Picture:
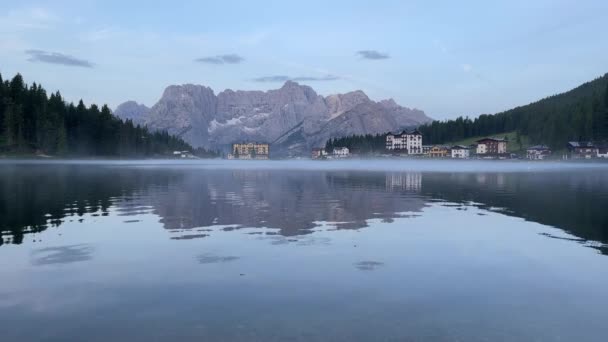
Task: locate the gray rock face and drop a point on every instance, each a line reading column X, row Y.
column 364, row 118
column 184, row 111
column 405, row 117
column 293, row 118
column 133, row 111
column 340, row 103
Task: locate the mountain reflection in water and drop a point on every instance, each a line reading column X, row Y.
column 293, row 201
column 303, row 251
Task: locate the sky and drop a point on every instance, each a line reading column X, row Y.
column 448, row 58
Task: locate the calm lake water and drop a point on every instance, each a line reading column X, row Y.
column 303, row 251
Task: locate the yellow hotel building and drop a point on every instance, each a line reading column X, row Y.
column 250, row 151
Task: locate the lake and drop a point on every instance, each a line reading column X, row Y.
column 303, row 251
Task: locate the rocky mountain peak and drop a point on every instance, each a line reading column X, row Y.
column 294, row 90
column 340, row 103
column 389, row 103
column 290, row 84
column 133, row 111
column 187, row 89
column 293, row 115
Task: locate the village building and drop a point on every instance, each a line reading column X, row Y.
column 582, row 149
column 439, row 151
column 405, row 142
column 250, row 150
column 538, row 152
column 426, row 149
column 602, row 151
column 341, row 152
column 318, row 153
column 491, row 146
column 460, row 152
column 183, row 154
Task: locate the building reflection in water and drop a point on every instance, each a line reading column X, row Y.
column 292, row 202
column 407, row 181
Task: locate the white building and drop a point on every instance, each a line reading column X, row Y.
column 182, row 154
column 582, row 149
column 460, row 152
column 405, row 142
column 538, row 152
column 341, row 152
column 318, row 153
column 491, row 146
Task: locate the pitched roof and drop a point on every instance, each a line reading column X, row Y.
column 581, row 144
column 493, row 139
column 538, row 147
column 459, row 147
column 404, row 132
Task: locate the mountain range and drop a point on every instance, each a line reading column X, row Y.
column 293, row 118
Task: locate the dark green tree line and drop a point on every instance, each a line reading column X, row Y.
column 579, row 114
column 362, row 144
column 31, row 121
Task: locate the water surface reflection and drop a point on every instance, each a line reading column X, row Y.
column 294, row 201
column 140, row 252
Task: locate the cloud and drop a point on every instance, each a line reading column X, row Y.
column 322, row 78
column 254, row 38
column 56, row 58
column 439, row 44
column 283, row 78
column 99, row 35
column 34, row 18
column 466, row 67
column 470, row 70
column 276, row 78
column 221, row 59
column 372, row 54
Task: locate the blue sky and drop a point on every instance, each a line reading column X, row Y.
column 447, row 58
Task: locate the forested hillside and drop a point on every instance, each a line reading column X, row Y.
column 360, row 144
column 32, row 122
column 579, row 114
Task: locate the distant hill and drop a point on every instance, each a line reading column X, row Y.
column 579, row 114
column 293, row 118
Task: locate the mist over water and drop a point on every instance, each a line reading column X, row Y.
column 303, row 250
column 421, row 165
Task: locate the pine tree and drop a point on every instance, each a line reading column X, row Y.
column 3, row 100
column 605, row 118
column 9, row 127
column 30, row 121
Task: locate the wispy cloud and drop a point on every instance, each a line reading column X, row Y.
column 221, row 59
column 98, row 35
column 441, row 46
column 283, row 78
column 372, row 54
column 471, row 70
column 33, row 18
column 56, row 58
column 309, row 78
column 254, row 38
